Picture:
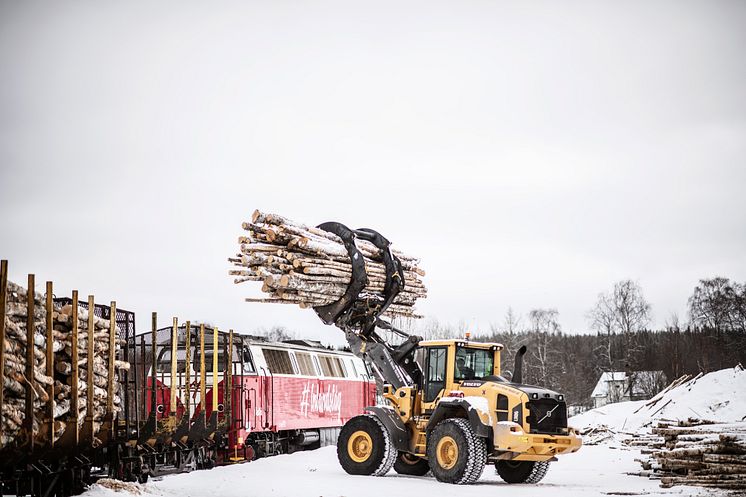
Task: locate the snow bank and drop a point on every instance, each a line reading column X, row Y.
column 717, row 396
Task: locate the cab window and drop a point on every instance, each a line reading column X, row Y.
column 436, row 372
column 473, row 364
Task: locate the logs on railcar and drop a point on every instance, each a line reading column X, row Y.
column 310, row 267
column 52, row 410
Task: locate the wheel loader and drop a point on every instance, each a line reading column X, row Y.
column 447, row 408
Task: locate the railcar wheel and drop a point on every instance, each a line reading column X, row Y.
column 407, row 464
column 522, row 471
column 455, row 453
column 364, row 447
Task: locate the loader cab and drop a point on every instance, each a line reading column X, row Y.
column 448, row 364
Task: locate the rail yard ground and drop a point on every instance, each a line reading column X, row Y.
column 594, row 470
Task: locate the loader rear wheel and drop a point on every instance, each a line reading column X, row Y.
column 364, row 447
column 522, row 471
column 407, row 464
column 455, row 453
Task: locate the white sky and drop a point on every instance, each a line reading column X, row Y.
column 532, row 153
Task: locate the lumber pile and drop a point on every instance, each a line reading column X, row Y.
column 696, row 452
column 52, row 385
column 309, row 267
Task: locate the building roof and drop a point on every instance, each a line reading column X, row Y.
column 602, row 387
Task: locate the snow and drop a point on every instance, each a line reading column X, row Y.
column 597, row 470
column 479, row 403
column 718, row 396
column 593, row 471
column 602, row 387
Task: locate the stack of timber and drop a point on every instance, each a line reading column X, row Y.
column 307, row 266
column 44, row 379
column 696, row 452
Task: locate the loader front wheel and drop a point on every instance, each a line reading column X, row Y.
column 522, row 471
column 407, row 464
column 364, row 447
column 455, row 453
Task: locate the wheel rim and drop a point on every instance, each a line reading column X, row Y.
column 447, row 452
column 409, row 459
column 360, row 446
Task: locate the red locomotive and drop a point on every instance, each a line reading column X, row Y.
column 283, row 396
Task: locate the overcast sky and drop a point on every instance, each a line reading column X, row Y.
column 531, row 153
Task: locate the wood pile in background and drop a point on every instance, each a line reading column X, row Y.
column 695, row 452
column 307, row 266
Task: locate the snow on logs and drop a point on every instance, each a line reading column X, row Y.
column 45, row 377
column 307, row 266
column 696, row 452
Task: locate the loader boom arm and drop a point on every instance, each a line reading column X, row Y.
column 357, row 312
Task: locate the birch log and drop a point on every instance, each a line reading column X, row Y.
column 304, row 265
column 15, row 382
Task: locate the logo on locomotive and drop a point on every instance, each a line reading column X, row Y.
column 314, row 401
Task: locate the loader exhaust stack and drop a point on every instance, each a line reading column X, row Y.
column 518, row 365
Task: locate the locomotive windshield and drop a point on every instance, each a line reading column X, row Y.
column 473, row 364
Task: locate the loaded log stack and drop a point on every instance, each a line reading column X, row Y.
column 45, row 376
column 310, row 267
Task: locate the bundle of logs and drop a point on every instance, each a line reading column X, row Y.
column 51, row 406
column 695, row 452
column 307, row 266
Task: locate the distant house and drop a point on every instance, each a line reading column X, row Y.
column 618, row 386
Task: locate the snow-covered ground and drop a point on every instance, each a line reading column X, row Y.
column 717, row 396
column 593, row 471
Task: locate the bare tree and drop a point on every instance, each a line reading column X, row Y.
column 512, row 321
column 544, row 325
column 276, row 333
column 719, row 304
column 624, row 311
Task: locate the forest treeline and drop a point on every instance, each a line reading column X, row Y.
column 713, row 338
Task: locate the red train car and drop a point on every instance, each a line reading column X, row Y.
column 282, row 396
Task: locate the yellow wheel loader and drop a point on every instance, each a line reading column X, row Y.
column 448, row 410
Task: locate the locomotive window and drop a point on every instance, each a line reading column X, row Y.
column 318, row 367
column 341, row 367
column 305, row 364
column 208, row 361
column 294, row 363
column 278, row 361
column 164, row 361
column 326, row 365
column 353, row 368
column 248, row 361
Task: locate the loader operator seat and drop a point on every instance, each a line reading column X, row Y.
column 464, row 371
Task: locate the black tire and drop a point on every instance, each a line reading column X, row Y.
column 364, row 447
column 455, row 453
column 522, row 471
column 407, row 464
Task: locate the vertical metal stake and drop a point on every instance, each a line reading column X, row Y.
column 50, row 359
column 30, row 328
column 3, row 303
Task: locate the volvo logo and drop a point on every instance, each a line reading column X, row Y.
column 548, row 414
